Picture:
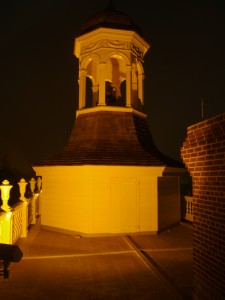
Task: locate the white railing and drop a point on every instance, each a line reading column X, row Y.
column 187, row 210
column 33, row 209
column 16, row 219
column 16, row 224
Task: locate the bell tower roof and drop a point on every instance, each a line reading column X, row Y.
column 110, row 18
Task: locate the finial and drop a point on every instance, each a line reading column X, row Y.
column 110, row 5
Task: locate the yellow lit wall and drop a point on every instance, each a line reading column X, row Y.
column 97, row 200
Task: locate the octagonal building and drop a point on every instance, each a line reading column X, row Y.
column 110, row 178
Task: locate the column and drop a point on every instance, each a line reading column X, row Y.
column 95, row 93
column 128, row 86
column 101, row 68
column 82, row 88
column 141, row 78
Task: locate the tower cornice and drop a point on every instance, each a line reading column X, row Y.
column 102, row 37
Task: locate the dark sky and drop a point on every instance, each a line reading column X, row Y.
column 39, row 90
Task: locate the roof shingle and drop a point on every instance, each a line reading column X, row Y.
column 110, row 138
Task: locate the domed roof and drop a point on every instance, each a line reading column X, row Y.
column 110, row 18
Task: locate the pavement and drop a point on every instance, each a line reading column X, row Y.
column 64, row 266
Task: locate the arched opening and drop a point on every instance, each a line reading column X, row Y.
column 122, row 100
column 111, row 96
column 89, row 93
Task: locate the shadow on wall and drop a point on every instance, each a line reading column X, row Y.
column 186, row 184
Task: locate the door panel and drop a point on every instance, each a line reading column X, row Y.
column 124, row 205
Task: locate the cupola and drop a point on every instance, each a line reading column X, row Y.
column 111, row 50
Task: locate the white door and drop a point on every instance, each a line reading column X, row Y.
column 124, row 205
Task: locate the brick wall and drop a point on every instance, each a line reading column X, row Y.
column 203, row 153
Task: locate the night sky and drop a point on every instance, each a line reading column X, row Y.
column 39, row 90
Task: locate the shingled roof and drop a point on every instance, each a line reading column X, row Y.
column 110, row 18
column 110, row 138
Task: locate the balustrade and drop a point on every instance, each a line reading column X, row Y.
column 188, row 211
column 16, row 219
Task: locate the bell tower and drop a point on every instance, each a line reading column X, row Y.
column 110, row 177
column 110, row 50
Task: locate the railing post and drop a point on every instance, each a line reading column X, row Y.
column 32, row 185
column 34, row 208
column 24, row 219
column 33, row 201
column 5, row 193
column 38, row 201
column 22, row 186
column 188, row 208
column 39, row 181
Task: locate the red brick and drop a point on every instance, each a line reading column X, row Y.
column 207, row 139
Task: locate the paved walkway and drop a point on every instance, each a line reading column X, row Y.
column 60, row 266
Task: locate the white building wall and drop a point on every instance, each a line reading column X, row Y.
column 65, row 201
column 99, row 205
column 148, row 204
column 104, row 199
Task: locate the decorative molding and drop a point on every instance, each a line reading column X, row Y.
column 137, row 51
column 105, row 43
